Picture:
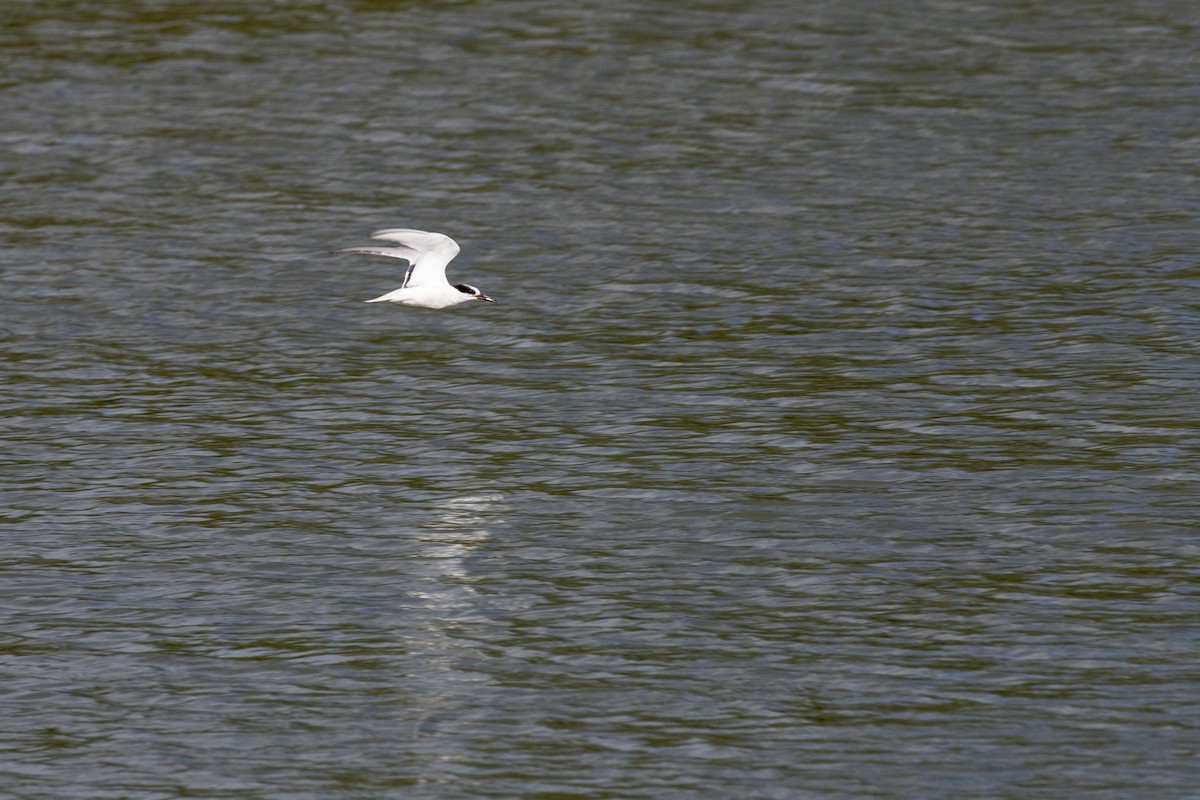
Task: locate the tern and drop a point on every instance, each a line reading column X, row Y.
column 425, row 284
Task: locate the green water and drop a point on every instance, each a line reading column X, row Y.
column 834, row 434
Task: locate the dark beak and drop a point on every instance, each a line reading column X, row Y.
column 484, row 297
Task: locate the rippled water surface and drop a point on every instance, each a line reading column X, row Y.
column 834, row 434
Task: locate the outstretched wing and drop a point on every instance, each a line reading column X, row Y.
column 427, row 253
column 434, row 251
column 407, row 253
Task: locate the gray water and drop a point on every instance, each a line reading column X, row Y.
column 835, row 433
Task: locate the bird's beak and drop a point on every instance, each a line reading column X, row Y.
column 484, row 297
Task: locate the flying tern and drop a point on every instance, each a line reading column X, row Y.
column 425, row 284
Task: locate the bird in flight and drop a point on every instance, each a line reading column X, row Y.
column 425, row 284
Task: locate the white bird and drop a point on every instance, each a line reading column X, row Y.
column 425, row 284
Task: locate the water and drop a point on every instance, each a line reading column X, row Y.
column 834, row 434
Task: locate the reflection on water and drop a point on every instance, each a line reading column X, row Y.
column 468, row 514
column 833, row 434
column 457, row 528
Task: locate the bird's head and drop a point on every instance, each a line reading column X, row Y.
column 466, row 288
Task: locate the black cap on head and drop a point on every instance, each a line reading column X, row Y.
column 467, row 288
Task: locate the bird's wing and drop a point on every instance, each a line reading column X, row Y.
column 407, row 253
column 431, row 253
